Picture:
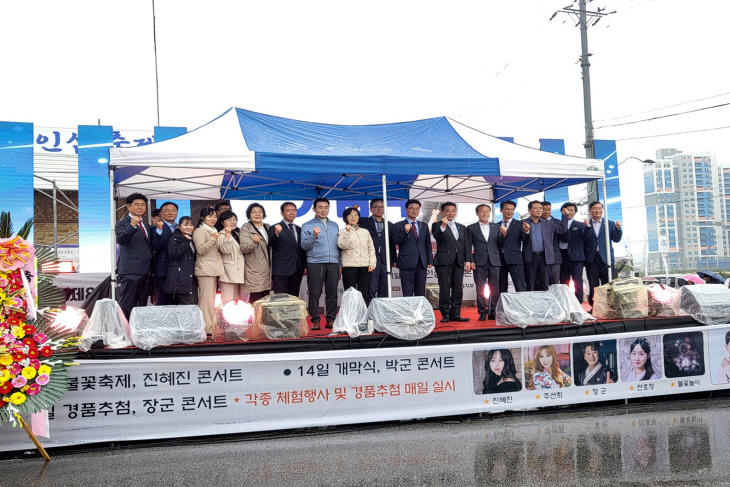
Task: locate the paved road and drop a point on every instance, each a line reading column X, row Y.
column 678, row 444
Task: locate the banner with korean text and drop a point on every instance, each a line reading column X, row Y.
column 141, row 399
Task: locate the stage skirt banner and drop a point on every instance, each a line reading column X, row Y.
column 142, row 399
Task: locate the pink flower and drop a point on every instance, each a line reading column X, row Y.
column 40, row 338
column 35, row 363
column 33, row 389
column 42, row 379
column 15, row 368
column 19, row 381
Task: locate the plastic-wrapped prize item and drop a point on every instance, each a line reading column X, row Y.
column 353, row 315
column 620, row 299
column 279, row 316
column 709, row 304
column 432, row 294
column 234, row 320
column 532, row 308
column 408, row 318
column 664, row 300
column 158, row 326
column 108, row 325
column 574, row 312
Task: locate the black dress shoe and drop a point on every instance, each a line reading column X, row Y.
column 482, row 316
column 445, row 319
column 460, row 319
column 491, row 317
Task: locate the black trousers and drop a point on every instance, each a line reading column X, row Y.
column 318, row 275
column 572, row 270
column 451, row 289
column 288, row 284
column 132, row 292
column 517, row 271
column 253, row 297
column 554, row 274
column 537, row 273
column 378, row 283
column 357, row 277
column 163, row 298
column 597, row 273
column 413, row 281
column 487, row 275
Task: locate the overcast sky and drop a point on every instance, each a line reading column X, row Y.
column 501, row 67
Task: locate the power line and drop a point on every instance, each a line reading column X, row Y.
column 675, row 133
column 663, row 108
column 664, row 116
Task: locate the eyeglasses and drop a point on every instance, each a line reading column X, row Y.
column 138, row 205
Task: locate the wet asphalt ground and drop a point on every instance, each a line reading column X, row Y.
column 683, row 443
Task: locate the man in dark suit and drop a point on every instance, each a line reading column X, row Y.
column 596, row 251
column 135, row 254
column 289, row 260
column 538, row 252
column 572, row 248
column 514, row 235
column 375, row 224
column 162, row 232
column 452, row 260
column 415, row 253
column 486, row 241
column 547, row 214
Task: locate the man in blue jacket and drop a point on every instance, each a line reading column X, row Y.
column 160, row 236
column 319, row 240
column 415, row 254
column 572, row 248
column 596, row 252
column 538, row 252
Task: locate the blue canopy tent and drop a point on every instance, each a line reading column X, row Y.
column 248, row 155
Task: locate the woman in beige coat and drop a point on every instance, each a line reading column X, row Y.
column 358, row 253
column 233, row 260
column 208, row 265
column 255, row 245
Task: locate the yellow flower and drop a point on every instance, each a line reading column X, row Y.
column 44, row 369
column 24, row 388
column 18, row 332
column 28, row 372
column 6, row 359
column 4, row 375
column 17, row 398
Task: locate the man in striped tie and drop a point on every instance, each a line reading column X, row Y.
column 135, row 254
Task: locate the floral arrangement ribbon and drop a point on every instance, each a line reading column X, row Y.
column 15, row 253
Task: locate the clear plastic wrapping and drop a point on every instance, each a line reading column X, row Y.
column 158, row 326
column 432, row 294
column 408, row 318
column 107, row 324
column 574, row 312
column 279, row 316
column 532, row 308
column 664, row 300
column 709, row 304
column 353, row 315
column 620, row 299
column 234, row 320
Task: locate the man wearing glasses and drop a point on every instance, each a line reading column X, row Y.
column 375, row 224
column 135, row 254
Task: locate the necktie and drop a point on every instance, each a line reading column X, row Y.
column 291, row 229
column 143, row 229
column 452, row 225
column 415, row 229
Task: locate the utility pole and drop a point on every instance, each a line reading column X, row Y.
column 586, row 19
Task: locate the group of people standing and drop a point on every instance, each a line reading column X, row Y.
column 191, row 261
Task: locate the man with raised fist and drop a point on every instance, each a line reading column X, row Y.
column 135, row 254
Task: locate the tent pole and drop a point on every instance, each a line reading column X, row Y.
column 387, row 238
column 113, row 240
column 608, row 236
